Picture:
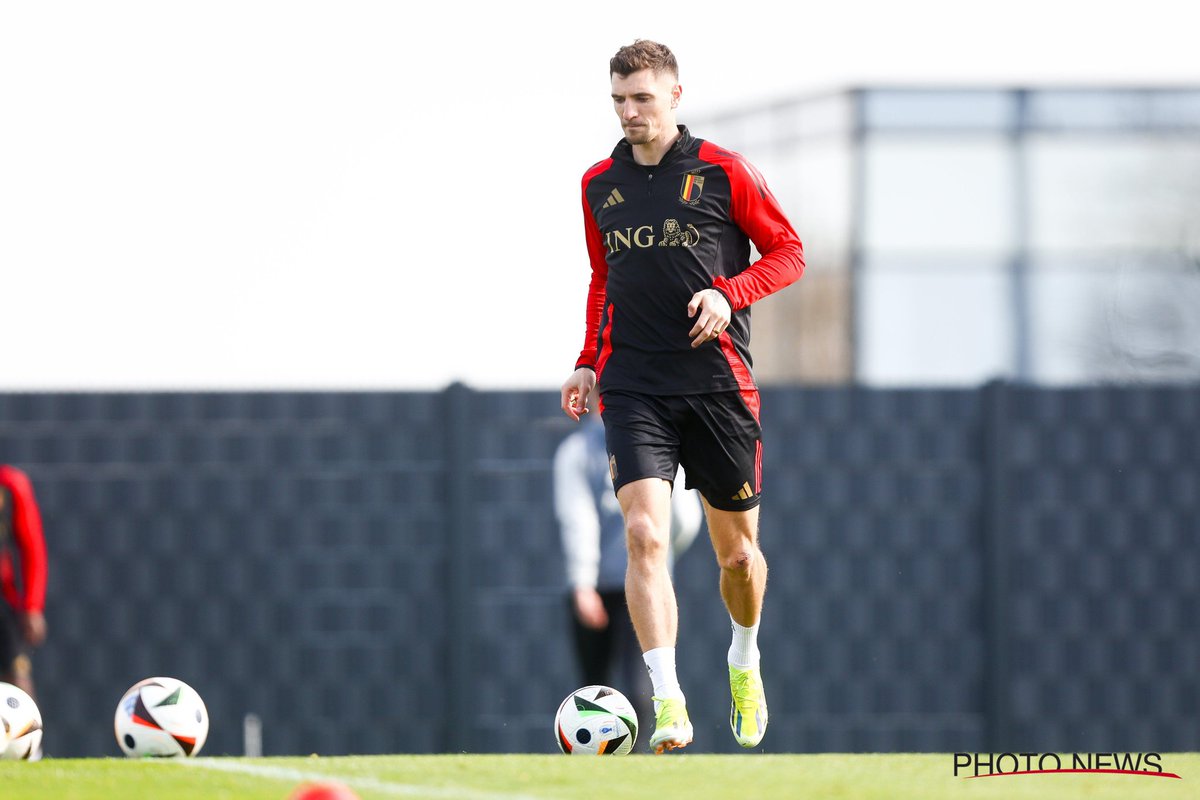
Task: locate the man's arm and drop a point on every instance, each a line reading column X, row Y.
column 756, row 211
column 579, row 385
column 597, row 293
column 597, row 286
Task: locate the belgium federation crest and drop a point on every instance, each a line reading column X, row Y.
column 690, row 189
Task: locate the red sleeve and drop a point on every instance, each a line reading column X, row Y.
column 27, row 531
column 596, row 289
column 756, row 211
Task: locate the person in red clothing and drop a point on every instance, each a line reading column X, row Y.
column 669, row 220
column 22, row 621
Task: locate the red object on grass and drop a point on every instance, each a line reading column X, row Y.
column 323, row 791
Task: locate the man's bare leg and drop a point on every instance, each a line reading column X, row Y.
column 743, row 585
column 743, row 568
column 650, row 595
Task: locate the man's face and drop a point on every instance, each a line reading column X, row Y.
column 645, row 102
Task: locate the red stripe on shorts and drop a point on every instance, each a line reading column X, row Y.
column 758, row 467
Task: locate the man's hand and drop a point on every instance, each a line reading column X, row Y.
column 714, row 316
column 33, row 627
column 589, row 608
column 575, row 392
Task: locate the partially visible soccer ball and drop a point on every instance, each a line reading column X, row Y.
column 21, row 722
column 161, row 717
column 595, row 721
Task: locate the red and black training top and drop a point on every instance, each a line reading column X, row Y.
column 657, row 235
column 19, row 516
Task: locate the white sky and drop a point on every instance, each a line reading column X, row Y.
column 281, row 194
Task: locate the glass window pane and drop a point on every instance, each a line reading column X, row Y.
column 1112, row 192
column 947, row 322
column 939, row 193
column 1120, row 318
column 939, row 110
column 1114, row 110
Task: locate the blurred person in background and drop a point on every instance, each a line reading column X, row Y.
column 669, row 220
column 593, row 540
column 22, row 621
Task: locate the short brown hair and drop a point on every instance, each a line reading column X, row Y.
column 643, row 54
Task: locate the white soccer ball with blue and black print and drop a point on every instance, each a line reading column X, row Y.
column 161, row 718
column 20, row 725
column 596, row 721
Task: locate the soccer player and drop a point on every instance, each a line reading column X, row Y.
column 669, row 219
column 22, row 623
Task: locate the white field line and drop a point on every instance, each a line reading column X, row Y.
column 353, row 781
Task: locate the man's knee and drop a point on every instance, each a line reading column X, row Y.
column 647, row 541
column 740, row 562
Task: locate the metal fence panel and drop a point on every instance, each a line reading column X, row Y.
column 1003, row 568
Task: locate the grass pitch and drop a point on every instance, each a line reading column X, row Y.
column 530, row 777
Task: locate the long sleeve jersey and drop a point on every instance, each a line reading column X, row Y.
column 658, row 234
column 20, row 520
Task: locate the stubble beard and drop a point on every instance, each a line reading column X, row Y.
column 638, row 135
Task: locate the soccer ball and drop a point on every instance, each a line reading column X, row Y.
column 595, row 721
column 161, row 717
column 21, row 722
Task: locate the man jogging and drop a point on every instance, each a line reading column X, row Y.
column 669, row 221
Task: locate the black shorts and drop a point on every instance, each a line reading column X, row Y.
column 716, row 437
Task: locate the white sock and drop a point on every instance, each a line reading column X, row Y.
column 660, row 662
column 743, row 653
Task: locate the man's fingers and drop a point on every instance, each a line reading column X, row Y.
column 710, row 324
column 569, row 399
column 707, row 322
column 707, row 332
column 573, row 404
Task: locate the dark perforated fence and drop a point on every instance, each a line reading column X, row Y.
column 1008, row 568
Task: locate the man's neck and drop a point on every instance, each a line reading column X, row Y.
column 649, row 154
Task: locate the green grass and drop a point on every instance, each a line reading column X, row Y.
column 513, row 777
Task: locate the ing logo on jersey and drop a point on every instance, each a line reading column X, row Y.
column 675, row 236
column 643, row 236
column 689, row 191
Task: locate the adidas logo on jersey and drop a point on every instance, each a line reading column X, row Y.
column 614, row 197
